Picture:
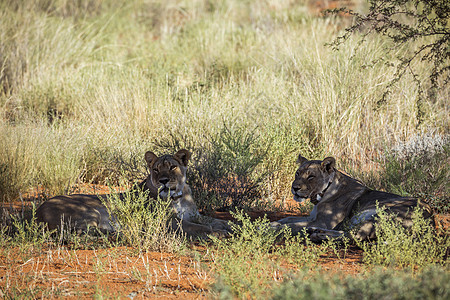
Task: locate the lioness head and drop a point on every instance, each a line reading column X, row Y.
column 168, row 172
column 312, row 178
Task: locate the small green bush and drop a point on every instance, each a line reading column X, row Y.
column 243, row 262
column 399, row 247
column 300, row 251
column 228, row 171
column 247, row 262
column 144, row 223
column 431, row 283
column 26, row 233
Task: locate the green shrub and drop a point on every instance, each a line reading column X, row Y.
column 431, row 283
column 247, row 262
column 227, row 175
column 397, row 246
column 243, row 262
column 300, row 251
column 144, row 223
column 27, row 233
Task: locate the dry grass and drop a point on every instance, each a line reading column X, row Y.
column 118, row 272
column 101, row 89
column 87, row 87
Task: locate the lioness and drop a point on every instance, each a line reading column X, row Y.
column 167, row 174
column 338, row 197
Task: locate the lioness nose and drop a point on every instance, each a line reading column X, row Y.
column 164, row 180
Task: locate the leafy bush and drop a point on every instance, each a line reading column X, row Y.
column 26, row 233
column 431, row 283
column 144, row 223
column 399, row 247
column 247, row 262
column 243, row 262
column 300, row 251
column 226, row 175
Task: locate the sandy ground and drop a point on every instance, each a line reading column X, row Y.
column 122, row 272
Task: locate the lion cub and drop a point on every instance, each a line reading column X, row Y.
column 167, row 179
column 338, row 197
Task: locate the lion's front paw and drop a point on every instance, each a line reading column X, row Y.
column 220, row 234
column 320, row 234
column 220, row 225
column 225, row 226
column 275, row 225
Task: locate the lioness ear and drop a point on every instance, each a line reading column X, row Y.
column 301, row 159
column 183, row 156
column 150, row 158
column 328, row 164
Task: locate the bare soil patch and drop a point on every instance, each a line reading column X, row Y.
column 109, row 273
column 121, row 272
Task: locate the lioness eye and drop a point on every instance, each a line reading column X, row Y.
column 155, row 170
column 173, row 167
column 310, row 177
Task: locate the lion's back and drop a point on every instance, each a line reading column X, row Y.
column 72, row 209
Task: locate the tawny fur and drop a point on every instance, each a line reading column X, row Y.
column 167, row 175
column 338, row 198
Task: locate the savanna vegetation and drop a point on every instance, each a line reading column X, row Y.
column 88, row 86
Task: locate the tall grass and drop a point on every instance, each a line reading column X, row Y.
column 102, row 82
column 34, row 155
column 417, row 167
